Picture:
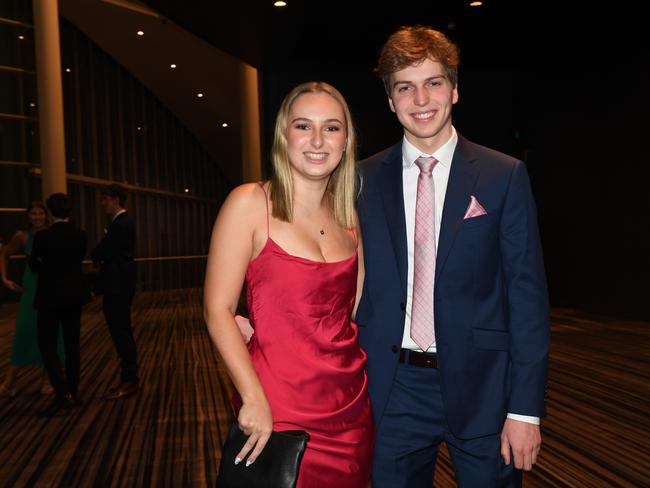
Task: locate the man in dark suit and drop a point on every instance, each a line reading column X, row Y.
column 114, row 255
column 56, row 256
column 455, row 320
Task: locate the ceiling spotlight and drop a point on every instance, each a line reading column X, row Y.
column 139, row 128
column 280, row 3
column 21, row 37
column 225, row 124
column 141, row 33
column 475, row 4
column 172, row 66
column 200, row 95
column 186, row 190
column 68, row 70
column 32, row 104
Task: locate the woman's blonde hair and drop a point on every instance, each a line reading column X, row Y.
column 342, row 181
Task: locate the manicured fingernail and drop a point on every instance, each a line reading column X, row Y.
column 237, row 460
column 249, row 462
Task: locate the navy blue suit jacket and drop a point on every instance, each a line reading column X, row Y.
column 115, row 256
column 490, row 298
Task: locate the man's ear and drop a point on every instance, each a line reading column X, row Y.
column 390, row 104
column 454, row 95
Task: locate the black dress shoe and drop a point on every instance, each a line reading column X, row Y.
column 60, row 406
column 125, row 390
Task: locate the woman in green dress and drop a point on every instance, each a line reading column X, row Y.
column 25, row 350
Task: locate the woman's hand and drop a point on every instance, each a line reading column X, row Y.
column 256, row 421
column 12, row 285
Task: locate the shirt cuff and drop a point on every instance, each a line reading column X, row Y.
column 524, row 418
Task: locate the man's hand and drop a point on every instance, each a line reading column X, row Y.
column 525, row 441
column 245, row 328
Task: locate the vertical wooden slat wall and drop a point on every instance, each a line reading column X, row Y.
column 116, row 130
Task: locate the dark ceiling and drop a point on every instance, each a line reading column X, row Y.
column 346, row 35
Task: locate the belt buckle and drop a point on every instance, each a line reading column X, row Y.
column 424, row 359
column 419, row 359
column 429, row 361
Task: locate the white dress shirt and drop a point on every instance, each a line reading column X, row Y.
column 410, row 174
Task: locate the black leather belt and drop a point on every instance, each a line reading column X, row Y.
column 415, row 358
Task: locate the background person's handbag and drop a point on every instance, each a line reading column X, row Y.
column 276, row 467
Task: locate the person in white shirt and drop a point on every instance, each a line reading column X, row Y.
column 454, row 312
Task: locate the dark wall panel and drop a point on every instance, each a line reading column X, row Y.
column 116, row 131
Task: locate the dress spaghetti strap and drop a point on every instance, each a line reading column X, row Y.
column 266, row 202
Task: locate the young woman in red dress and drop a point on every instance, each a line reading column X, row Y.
column 293, row 241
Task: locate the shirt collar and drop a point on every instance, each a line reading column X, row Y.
column 444, row 154
column 119, row 212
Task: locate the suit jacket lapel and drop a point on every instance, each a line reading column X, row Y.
column 393, row 198
column 462, row 178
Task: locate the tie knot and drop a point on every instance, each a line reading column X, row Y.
column 426, row 164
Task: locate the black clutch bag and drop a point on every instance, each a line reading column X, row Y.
column 276, row 467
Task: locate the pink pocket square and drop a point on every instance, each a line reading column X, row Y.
column 474, row 209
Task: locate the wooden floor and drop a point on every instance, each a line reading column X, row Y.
column 596, row 433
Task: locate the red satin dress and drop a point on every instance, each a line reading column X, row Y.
column 307, row 356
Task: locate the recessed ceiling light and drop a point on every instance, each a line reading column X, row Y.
column 475, row 4
column 32, row 104
column 68, row 70
column 200, row 95
column 139, row 128
column 186, row 190
column 280, row 3
column 21, row 37
column 225, row 124
column 141, row 33
column 172, row 66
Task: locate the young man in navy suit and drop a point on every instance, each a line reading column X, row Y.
column 455, row 320
column 115, row 257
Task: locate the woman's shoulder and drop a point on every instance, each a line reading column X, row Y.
column 21, row 237
column 17, row 241
column 248, row 194
column 246, row 199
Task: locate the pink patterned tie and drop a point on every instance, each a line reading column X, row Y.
column 424, row 266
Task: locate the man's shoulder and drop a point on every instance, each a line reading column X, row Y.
column 63, row 230
column 123, row 221
column 124, row 217
column 485, row 155
column 49, row 232
column 42, row 235
column 382, row 156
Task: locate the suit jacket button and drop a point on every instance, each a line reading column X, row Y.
column 402, row 306
column 395, row 349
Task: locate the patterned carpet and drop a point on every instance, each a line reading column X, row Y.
column 170, row 435
column 167, row 436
